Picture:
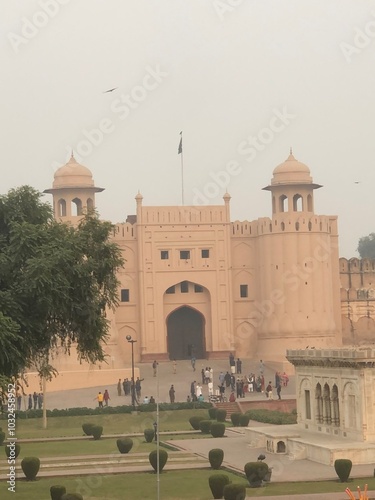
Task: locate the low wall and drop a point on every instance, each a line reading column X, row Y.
column 66, row 380
column 284, row 405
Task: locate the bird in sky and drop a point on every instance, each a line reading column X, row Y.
column 110, row 90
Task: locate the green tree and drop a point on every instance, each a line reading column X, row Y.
column 56, row 282
column 366, row 246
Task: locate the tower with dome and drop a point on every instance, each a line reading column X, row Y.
column 197, row 284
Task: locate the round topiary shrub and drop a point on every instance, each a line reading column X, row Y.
column 72, row 496
column 205, row 426
column 343, row 466
column 255, row 473
column 97, row 431
column 149, row 435
column 217, row 483
column 235, row 418
column 216, row 457
column 30, row 467
column 12, row 451
column 212, row 412
column 244, row 420
column 163, row 457
column 87, row 429
column 194, row 421
column 217, row 429
column 57, row 492
column 221, row 415
column 124, row 445
column 2, row 437
column 234, row 491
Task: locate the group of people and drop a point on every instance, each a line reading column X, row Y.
column 126, row 387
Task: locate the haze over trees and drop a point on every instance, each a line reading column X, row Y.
column 56, row 282
column 366, row 246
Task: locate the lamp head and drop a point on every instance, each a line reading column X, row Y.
column 128, row 337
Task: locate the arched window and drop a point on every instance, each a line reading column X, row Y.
column 319, row 404
column 297, row 226
column 327, row 415
column 297, row 203
column 282, row 226
column 283, row 203
column 61, row 208
column 335, row 406
column 310, row 226
column 76, row 206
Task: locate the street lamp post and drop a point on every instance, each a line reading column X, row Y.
column 131, row 341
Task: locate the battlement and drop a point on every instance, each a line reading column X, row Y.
column 184, row 215
column 124, row 231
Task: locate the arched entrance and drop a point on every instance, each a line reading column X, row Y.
column 185, row 334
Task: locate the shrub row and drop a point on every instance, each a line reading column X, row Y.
column 71, row 412
column 240, row 419
column 221, row 487
column 272, row 417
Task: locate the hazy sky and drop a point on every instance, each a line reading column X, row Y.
column 274, row 73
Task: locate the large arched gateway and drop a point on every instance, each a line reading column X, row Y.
column 185, row 333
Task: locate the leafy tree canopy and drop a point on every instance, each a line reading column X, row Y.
column 366, row 247
column 56, row 282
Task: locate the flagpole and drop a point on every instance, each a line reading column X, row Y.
column 180, row 152
column 182, row 178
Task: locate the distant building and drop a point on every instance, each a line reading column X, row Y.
column 197, row 284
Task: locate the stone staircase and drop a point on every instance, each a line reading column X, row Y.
column 230, row 407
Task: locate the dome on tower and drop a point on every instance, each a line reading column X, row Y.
column 73, row 174
column 291, row 171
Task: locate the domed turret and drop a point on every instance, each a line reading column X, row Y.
column 73, row 190
column 292, row 187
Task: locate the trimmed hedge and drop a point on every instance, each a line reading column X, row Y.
column 221, row 415
column 30, row 467
column 124, row 445
column 343, row 467
column 17, row 449
column 195, row 420
column 212, row 412
column 217, row 429
column 234, row 491
column 205, row 426
column 149, row 435
column 57, row 492
column 82, row 411
column 255, row 473
column 97, row 431
column 163, row 457
column 235, row 418
column 87, row 428
column 216, row 483
column 216, row 457
column 272, row 417
column 244, row 420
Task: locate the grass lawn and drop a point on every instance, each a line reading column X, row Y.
column 177, row 420
column 174, row 485
column 75, row 448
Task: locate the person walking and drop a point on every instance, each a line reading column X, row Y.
column 239, row 366
column 278, row 390
column 138, row 387
column 192, row 390
column 99, row 399
column 174, row 367
column 40, row 400
column 119, row 387
column 35, row 399
column 30, row 403
column 193, row 360
column 172, row 393
column 154, row 367
column 269, row 391
column 106, row 397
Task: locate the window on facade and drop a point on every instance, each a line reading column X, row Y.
column 184, row 287
column 164, row 254
column 184, row 254
column 170, row 290
column 205, row 254
column 308, row 405
column 243, row 291
column 198, row 289
column 125, row 295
